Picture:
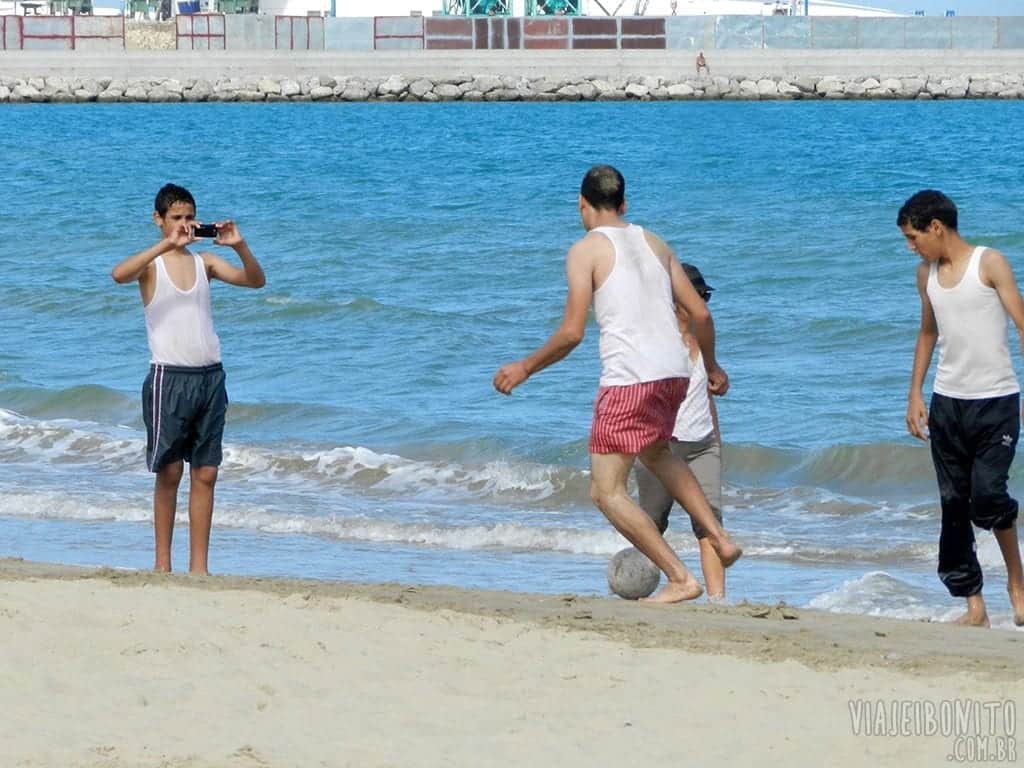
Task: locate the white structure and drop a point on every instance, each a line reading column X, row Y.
column 385, row 7
column 619, row 7
column 309, row 8
column 756, row 8
column 740, row 7
column 367, row 8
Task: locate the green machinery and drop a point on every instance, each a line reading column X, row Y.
column 477, row 7
column 553, row 7
column 504, row 7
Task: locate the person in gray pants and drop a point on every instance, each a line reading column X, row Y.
column 697, row 441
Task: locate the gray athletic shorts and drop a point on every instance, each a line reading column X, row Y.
column 184, row 409
column 705, row 460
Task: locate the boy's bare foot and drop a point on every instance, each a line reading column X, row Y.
column 676, row 592
column 1017, row 603
column 974, row 619
column 727, row 552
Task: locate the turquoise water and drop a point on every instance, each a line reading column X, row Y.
column 412, row 249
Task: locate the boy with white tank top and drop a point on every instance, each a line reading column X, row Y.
column 634, row 280
column 967, row 295
column 184, row 399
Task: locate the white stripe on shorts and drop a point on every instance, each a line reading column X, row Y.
column 158, row 382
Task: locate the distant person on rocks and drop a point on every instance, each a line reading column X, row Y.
column 184, row 399
column 634, row 281
column 968, row 292
column 702, row 64
column 696, row 439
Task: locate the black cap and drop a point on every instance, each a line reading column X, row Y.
column 697, row 279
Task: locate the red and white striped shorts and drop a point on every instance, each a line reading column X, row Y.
column 629, row 418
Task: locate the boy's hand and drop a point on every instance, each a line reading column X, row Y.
column 917, row 418
column 228, row 234
column 510, row 376
column 181, row 237
column 718, row 381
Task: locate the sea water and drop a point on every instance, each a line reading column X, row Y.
column 412, row 249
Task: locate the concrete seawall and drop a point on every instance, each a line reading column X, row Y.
column 35, row 76
column 756, row 64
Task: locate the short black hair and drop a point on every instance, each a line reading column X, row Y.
column 604, row 188
column 170, row 194
column 927, row 205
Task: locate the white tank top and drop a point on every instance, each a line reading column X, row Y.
column 640, row 339
column 179, row 324
column 974, row 354
column 693, row 420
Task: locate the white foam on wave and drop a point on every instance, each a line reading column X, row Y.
column 880, row 594
column 998, row 620
column 53, row 505
column 602, row 541
column 901, row 553
column 502, row 536
column 876, row 594
column 989, row 554
column 67, row 441
column 802, row 502
column 393, row 474
column 43, row 505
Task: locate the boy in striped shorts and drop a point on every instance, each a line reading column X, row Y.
column 184, row 399
column 634, row 281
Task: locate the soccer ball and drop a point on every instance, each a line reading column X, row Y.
column 631, row 575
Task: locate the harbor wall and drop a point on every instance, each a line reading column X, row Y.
column 218, row 83
column 243, row 32
column 249, row 57
column 674, row 33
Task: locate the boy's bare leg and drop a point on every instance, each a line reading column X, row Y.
column 1010, row 548
column 678, row 478
column 165, row 506
column 200, row 517
column 977, row 615
column 608, row 490
column 713, row 570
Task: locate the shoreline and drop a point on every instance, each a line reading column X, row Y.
column 117, row 669
column 743, row 630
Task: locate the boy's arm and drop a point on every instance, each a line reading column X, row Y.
column 997, row 270
column 134, row 267
column 579, row 270
column 701, row 322
column 927, row 335
column 714, row 419
column 249, row 275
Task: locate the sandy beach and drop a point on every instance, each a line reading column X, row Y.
column 116, row 669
